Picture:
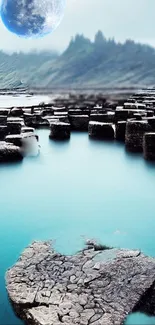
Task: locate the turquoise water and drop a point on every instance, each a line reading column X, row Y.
column 75, row 190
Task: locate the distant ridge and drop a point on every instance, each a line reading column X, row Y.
column 101, row 63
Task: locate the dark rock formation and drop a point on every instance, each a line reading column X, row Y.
column 120, row 130
column 3, row 119
column 14, row 127
column 4, row 111
column 16, row 139
column 16, row 111
column 26, row 129
column 79, row 122
column 134, row 134
column 9, row 152
column 59, row 130
column 101, row 130
column 121, row 114
column 3, row 132
column 95, row 286
column 149, row 146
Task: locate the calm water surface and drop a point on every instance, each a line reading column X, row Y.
column 75, row 190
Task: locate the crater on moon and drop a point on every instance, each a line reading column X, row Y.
column 32, row 18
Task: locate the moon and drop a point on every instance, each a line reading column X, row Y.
column 32, row 18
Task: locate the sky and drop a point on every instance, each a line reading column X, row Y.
column 121, row 19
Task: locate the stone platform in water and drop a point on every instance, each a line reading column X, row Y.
column 94, row 286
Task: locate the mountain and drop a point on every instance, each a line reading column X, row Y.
column 16, row 69
column 99, row 63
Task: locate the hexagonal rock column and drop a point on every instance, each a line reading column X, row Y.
column 149, row 146
column 134, row 134
column 59, row 130
column 101, row 130
column 94, row 286
column 9, row 152
column 79, row 122
column 120, row 130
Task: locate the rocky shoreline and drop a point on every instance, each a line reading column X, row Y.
column 95, row 286
column 130, row 120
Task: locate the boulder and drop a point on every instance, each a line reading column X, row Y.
column 95, row 286
column 9, row 152
column 79, row 122
column 16, row 111
column 101, row 130
column 120, row 130
column 134, row 134
column 59, row 130
column 149, row 146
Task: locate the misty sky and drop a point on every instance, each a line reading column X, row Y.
column 121, row 19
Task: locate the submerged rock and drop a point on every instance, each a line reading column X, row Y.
column 9, row 152
column 91, row 287
column 101, row 130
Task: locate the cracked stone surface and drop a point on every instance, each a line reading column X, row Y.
column 94, row 286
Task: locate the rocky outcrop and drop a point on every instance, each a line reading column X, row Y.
column 95, row 286
column 59, row 130
column 101, row 130
column 9, row 152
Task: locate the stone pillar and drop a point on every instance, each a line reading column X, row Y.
column 79, row 122
column 59, row 130
column 149, row 146
column 101, row 130
column 134, row 134
column 120, row 130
